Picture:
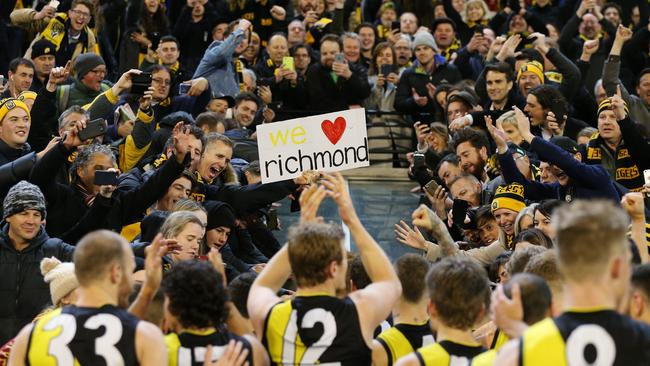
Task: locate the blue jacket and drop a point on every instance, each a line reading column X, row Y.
column 587, row 181
column 218, row 67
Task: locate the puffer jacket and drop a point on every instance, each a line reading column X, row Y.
column 23, row 291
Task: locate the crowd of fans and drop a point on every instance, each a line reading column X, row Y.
column 128, row 154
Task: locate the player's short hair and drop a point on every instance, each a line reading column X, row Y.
column 196, row 295
column 95, row 253
column 459, row 290
column 589, row 234
column 520, row 258
column 412, row 270
column 641, row 279
column 311, row 249
column 535, row 296
column 545, row 266
column 357, row 273
column 239, row 288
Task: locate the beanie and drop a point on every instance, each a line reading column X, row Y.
column 424, row 38
column 606, row 105
column 565, row 143
column 60, row 276
column 86, row 62
column 534, row 67
column 23, row 196
column 510, row 197
column 43, row 47
column 27, row 94
column 151, row 224
column 219, row 214
column 10, row 103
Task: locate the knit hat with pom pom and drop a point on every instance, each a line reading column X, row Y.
column 60, row 276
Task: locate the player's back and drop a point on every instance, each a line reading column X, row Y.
column 402, row 339
column 84, row 336
column 596, row 338
column 448, row 353
column 309, row 330
column 188, row 348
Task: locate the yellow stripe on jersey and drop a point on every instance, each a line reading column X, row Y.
column 280, row 349
column 433, row 355
column 173, row 345
column 485, row 358
column 38, row 351
column 543, row 345
column 398, row 345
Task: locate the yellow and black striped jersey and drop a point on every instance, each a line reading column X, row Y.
column 311, row 330
column 601, row 337
column 74, row 336
column 402, row 339
column 188, row 348
column 499, row 339
column 446, row 353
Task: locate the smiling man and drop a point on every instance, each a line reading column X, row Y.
column 15, row 122
column 90, row 71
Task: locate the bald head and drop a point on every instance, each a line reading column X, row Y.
column 96, row 253
column 278, row 48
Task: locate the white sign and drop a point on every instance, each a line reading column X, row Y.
column 327, row 142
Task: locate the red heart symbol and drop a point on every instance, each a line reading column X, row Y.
column 333, row 131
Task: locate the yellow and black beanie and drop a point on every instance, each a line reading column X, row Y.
column 533, row 67
column 510, row 197
column 606, row 105
column 10, row 103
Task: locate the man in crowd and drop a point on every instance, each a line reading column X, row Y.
column 21, row 74
column 89, row 70
column 43, row 57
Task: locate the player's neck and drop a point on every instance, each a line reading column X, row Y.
column 588, row 295
column 445, row 333
column 95, row 297
column 325, row 288
column 405, row 312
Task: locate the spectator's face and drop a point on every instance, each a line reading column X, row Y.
column 444, row 35
column 439, row 11
column 189, row 239
column 385, row 57
column 475, row 12
column 181, row 188
column 218, row 237
column 636, row 15
column 214, row 160
column 296, row 33
column 152, row 5
column 488, row 231
column 472, row 160
column 458, row 5
column 277, row 49
column 198, row 10
column 467, row 190
column 455, row 110
column 249, row 83
column 513, row 133
column 351, row 49
column 534, row 110
column 543, row 223
column 590, row 26
column 218, row 106
column 613, row 16
column 506, row 220
column 44, row 64
column 403, row 52
column 14, row 128
column 70, row 121
column 328, row 51
column 93, row 78
column 79, row 17
column 195, row 146
column 161, row 82
column 546, row 175
column 253, row 48
column 408, row 23
column 498, row 86
column 388, row 16
column 600, row 93
column 608, row 127
column 244, row 112
column 22, row 78
column 218, row 31
column 424, row 54
column 24, row 225
column 526, row 82
column 98, row 161
column 301, row 59
column 447, row 172
column 243, row 45
column 367, row 36
column 168, row 52
column 308, row 5
column 518, row 24
column 643, row 89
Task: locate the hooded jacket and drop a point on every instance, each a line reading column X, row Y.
column 24, row 292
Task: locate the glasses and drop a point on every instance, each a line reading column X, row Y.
column 81, row 14
column 162, row 81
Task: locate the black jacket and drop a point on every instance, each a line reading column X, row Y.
column 9, row 154
column 327, row 96
column 66, row 204
column 24, row 292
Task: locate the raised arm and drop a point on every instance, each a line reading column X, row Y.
column 375, row 301
column 612, row 67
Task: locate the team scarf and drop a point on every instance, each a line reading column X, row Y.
column 449, row 51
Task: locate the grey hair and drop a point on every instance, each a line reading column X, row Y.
column 71, row 110
column 526, row 211
column 350, row 35
column 251, row 74
column 599, row 83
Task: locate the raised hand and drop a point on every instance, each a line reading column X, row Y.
column 125, row 81
column 307, row 177
column 337, row 189
column 523, row 125
column 633, row 205
column 618, row 104
column 145, row 100
column 58, row 75
column 589, row 48
column 181, row 135
column 421, row 131
column 509, row 47
column 278, row 13
column 411, row 237
column 552, row 124
column 70, row 139
column 153, row 262
column 310, row 200
column 199, row 85
column 498, row 135
column 422, row 217
column 623, row 34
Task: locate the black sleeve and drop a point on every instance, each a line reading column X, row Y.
column 251, row 197
column 182, row 27
column 92, row 220
column 637, row 145
column 48, row 167
column 15, row 171
column 570, row 72
column 357, row 87
column 43, row 115
column 566, row 36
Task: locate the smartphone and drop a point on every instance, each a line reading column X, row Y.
column 395, row 25
column 140, row 83
column 54, row 4
column 646, row 177
column 106, row 178
column 339, row 58
column 287, row 63
column 155, row 40
column 559, row 111
column 431, row 187
column 479, row 28
column 386, row 69
column 272, row 222
column 459, row 211
column 418, row 160
column 94, row 128
column 183, row 88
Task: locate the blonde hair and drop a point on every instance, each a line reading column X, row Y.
column 481, row 3
column 509, row 118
